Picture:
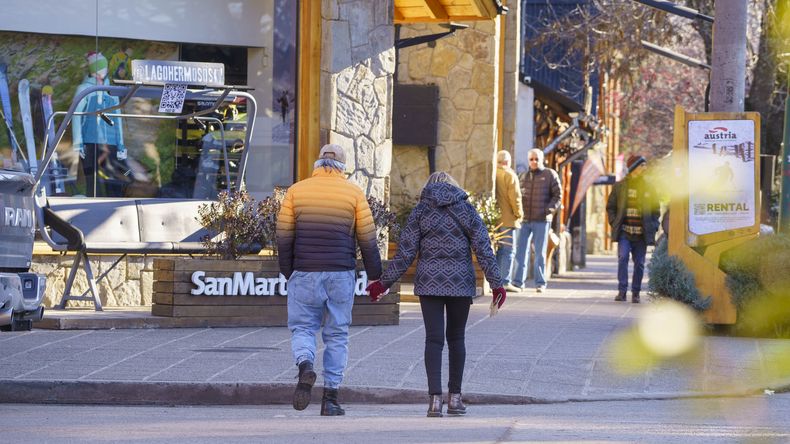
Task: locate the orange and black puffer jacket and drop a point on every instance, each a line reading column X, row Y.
column 320, row 221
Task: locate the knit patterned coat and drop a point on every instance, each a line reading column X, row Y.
column 444, row 266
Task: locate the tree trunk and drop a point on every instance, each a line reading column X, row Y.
column 763, row 96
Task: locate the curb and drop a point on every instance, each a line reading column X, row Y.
column 204, row 393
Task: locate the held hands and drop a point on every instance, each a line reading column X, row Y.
column 499, row 297
column 376, row 290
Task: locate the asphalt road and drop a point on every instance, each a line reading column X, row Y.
column 764, row 419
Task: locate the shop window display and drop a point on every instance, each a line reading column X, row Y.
column 148, row 157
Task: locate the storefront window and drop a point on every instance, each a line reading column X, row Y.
column 140, row 155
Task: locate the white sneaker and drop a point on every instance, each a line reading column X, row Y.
column 513, row 289
column 540, row 288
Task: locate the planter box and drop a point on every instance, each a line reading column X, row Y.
column 258, row 298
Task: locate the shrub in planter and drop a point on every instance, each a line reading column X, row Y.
column 758, row 276
column 670, row 278
column 386, row 222
column 489, row 211
column 233, row 223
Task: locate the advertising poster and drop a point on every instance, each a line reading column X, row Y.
column 721, row 169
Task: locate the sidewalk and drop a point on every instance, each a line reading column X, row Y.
column 549, row 347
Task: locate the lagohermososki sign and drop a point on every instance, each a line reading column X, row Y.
column 247, row 284
column 166, row 71
column 721, row 168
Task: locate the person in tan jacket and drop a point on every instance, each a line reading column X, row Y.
column 508, row 198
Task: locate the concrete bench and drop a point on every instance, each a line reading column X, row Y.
column 119, row 226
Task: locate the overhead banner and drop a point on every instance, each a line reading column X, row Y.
column 721, row 165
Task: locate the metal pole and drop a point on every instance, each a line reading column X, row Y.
column 728, row 67
column 784, row 207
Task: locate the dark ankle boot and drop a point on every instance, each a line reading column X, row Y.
column 329, row 405
column 620, row 297
column 305, row 385
column 435, row 406
column 455, row 406
column 635, row 297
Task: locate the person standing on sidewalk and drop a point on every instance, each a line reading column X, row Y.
column 632, row 210
column 508, row 198
column 442, row 228
column 320, row 219
column 542, row 197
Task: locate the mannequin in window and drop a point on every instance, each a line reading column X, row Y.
column 100, row 145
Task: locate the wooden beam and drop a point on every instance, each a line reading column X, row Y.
column 485, row 8
column 451, row 18
column 436, row 10
column 308, row 78
column 398, row 16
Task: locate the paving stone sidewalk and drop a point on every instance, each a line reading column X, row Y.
column 549, row 347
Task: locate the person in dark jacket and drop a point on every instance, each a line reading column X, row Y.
column 320, row 223
column 441, row 229
column 541, row 196
column 633, row 210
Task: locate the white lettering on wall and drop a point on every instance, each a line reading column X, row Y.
column 246, row 284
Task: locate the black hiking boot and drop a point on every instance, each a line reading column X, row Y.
column 620, row 297
column 455, row 405
column 635, row 297
column 329, row 405
column 304, row 386
column 435, row 406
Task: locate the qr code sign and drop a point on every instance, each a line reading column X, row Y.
column 699, row 209
column 172, row 98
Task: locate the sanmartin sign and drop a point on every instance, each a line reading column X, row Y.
column 248, row 284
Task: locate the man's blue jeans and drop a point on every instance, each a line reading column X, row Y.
column 540, row 232
column 506, row 251
column 637, row 251
column 310, row 296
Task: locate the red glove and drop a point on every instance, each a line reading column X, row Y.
column 499, row 295
column 375, row 289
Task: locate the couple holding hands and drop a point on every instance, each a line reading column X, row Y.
column 318, row 258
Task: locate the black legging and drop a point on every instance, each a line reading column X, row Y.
column 433, row 308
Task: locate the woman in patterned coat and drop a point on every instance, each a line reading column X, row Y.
column 441, row 229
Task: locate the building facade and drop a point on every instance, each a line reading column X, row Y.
column 319, row 70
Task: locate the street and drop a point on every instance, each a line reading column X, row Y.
column 763, row 419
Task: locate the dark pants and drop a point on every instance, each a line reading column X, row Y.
column 433, row 311
column 104, row 158
column 636, row 250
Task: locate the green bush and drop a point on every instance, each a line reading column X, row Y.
column 746, row 266
column 670, row 278
column 758, row 278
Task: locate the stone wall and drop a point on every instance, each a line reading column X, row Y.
column 130, row 283
column 464, row 66
column 357, row 67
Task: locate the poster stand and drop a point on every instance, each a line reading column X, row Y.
column 715, row 203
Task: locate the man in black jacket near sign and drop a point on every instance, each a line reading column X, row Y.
column 633, row 211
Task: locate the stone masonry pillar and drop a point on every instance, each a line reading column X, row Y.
column 357, row 67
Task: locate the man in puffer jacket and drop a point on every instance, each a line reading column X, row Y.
column 320, row 222
column 541, row 197
column 442, row 228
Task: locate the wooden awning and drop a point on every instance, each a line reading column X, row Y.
column 443, row 11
